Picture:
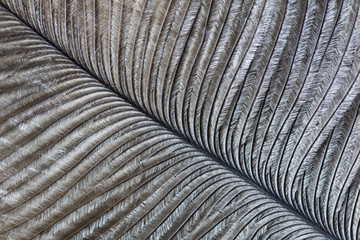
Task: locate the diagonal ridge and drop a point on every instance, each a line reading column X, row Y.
column 38, row 200
column 208, row 47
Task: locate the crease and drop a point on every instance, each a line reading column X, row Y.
column 257, row 186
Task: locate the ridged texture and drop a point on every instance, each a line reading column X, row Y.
column 270, row 88
column 78, row 161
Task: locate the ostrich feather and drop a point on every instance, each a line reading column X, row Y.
column 179, row 119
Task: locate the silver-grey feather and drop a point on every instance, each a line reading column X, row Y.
column 269, row 89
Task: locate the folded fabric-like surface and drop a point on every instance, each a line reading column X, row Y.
column 179, row 119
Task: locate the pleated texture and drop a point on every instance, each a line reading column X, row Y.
column 80, row 162
column 270, row 88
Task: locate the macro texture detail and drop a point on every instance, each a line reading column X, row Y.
column 181, row 119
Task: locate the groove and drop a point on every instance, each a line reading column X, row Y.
column 184, row 138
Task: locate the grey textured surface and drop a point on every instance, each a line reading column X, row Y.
column 179, row 119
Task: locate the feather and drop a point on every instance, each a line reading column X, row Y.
column 179, row 119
